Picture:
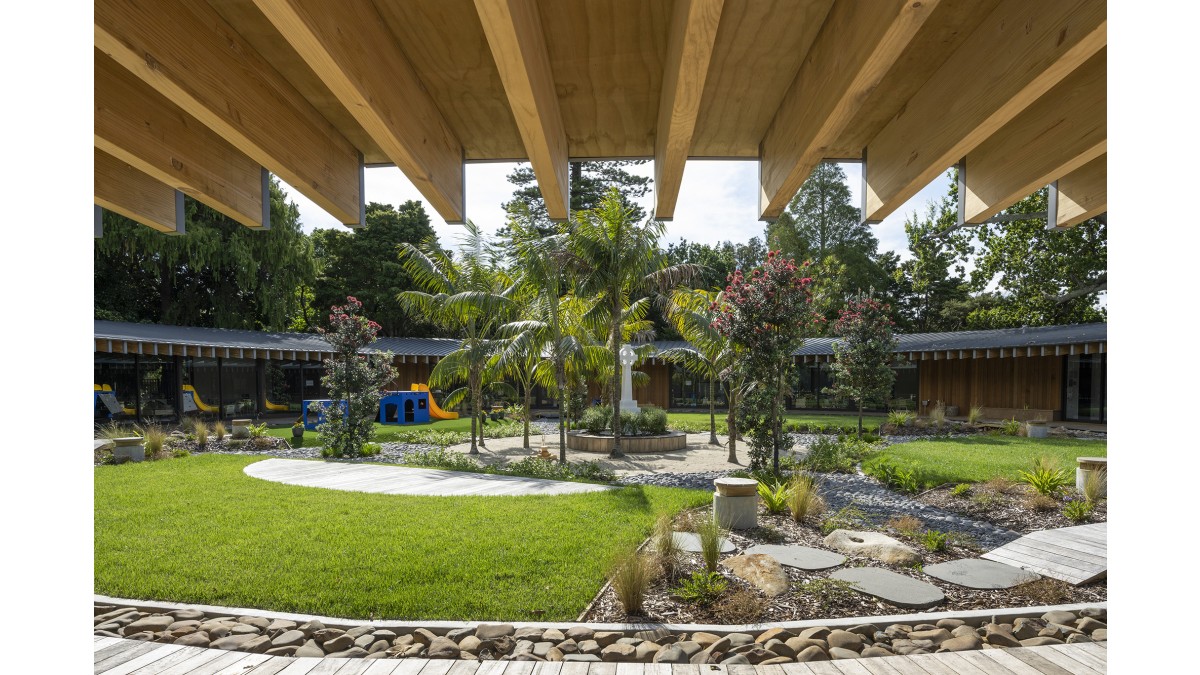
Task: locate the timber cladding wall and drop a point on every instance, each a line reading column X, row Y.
column 657, row 393
column 1027, row 381
column 408, row 374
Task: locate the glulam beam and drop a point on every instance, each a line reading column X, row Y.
column 349, row 47
column 1082, row 194
column 689, row 51
column 857, row 45
column 188, row 53
column 120, row 188
column 1022, row 50
column 514, row 34
column 1063, row 130
column 140, row 127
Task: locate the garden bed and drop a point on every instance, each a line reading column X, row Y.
column 813, row 595
column 642, row 444
column 1013, row 506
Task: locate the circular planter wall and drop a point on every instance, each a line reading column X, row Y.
column 586, row 442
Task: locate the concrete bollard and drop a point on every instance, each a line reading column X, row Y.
column 130, row 448
column 735, row 503
column 1087, row 465
column 240, row 429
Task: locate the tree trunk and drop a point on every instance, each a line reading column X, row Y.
column 476, row 396
column 712, row 411
column 731, row 422
column 860, row 413
column 777, row 424
column 525, row 414
column 615, row 336
column 560, row 375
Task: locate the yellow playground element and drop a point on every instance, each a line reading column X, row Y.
column 434, row 411
column 105, row 387
column 280, row 407
column 196, row 397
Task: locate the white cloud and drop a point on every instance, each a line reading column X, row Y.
column 718, row 201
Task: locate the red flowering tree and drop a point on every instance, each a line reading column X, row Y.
column 354, row 380
column 766, row 314
column 864, row 352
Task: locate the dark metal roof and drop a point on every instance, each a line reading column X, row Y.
column 209, row 337
column 401, row 346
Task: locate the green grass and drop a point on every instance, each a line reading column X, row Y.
column 198, row 530
column 976, row 459
column 698, row 422
column 415, row 433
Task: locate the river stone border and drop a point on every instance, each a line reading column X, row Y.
column 282, row 634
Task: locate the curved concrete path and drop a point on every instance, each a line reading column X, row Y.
column 395, row 480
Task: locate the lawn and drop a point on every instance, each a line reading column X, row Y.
column 698, row 422
column 198, row 530
column 453, row 431
column 977, row 458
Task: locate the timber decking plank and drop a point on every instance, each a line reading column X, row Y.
column 1083, row 654
column 823, row 668
column 593, row 669
column 466, row 668
column 303, row 665
column 793, row 669
column 144, row 659
column 976, row 658
column 166, row 663
column 1024, row 662
column 126, row 650
column 928, row 663
column 205, row 663
column 243, row 664
column 103, row 641
column 1067, row 663
column 962, row 666
column 272, row 666
column 437, row 667
column 896, row 664
column 850, row 667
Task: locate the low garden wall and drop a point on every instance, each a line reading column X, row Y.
column 587, row 442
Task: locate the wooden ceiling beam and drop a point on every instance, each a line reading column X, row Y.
column 1017, row 54
column 1083, row 193
column 858, row 43
column 1063, row 130
column 122, row 189
column 188, row 53
column 140, row 127
column 349, row 47
column 514, row 33
column 689, row 51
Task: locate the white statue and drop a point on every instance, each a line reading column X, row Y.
column 628, row 358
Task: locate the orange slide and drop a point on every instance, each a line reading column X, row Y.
column 434, row 411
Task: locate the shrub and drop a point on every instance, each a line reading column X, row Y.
column 773, row 495
column 370, row 449
column 631, row 423
column 934, row 540
column 597, row 418
column 154, row 439
column 849, row 517
column 974, row 414
column 892, row 474
column 1011, row 427
column 1046, row 478
column 1040, row 502
column 666, row 548
column 219, row 430
column 441, row 459
column 632, row 574
column 200, row 431
column 702, row 588
column 1095, row 486
column 803, row 497
column 831, row 454
column 653, row 420
column 1077, row 510
column 710, row 534
column 937, row 416
column 909, row 526
column 899, row 418
column 739, row 607
column 257, row 430
column 113, row 430
column 960, row 490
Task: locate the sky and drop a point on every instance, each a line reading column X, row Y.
column 718, row 201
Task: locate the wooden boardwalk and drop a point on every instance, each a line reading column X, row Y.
column 396, row 480
column 117, row 656
column 1076, row 555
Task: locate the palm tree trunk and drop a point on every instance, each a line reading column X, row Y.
column 473, row 386
column 525, row 414
column 560, row 375
column 615, row 336
column 712, row 411
column 731, row 422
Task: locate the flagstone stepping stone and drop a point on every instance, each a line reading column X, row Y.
column 873, row 545
column 895, row 588
column 690, row 542
column 976, row 573
column 800, row 557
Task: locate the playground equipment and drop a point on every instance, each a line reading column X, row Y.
column 312, row 419
column 103, row 395
column 404, row 407
column 434, row 411
column 277, row 407
column 195, row 396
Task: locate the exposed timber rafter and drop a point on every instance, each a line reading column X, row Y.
column 138, row 126
column 514, row 33
column 1022, row 50
column 1081, row 194
column 857, row 45
column 689, row 51
column 1063, row 130
column 120, row 188
column 192, row 56
column 349, row 47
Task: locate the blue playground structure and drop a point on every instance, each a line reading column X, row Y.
column 404, row 407
column 311, row 419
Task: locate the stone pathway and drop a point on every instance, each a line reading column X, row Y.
column 799, row 557
column 895, row 588
column 396, row 480
column 976, row 573
column 690, row 542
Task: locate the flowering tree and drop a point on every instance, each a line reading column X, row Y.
column 766, row 315
column 355, row 381
column 862, row 371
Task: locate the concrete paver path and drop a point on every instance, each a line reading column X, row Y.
column 395, row 480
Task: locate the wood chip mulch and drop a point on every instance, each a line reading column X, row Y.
column 1009, row 505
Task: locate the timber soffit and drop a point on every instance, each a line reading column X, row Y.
column 554, row 79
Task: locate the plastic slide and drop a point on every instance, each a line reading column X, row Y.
column 278, row 407
column 196, row 397
column 434, row 411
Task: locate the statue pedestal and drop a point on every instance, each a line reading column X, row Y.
column 630, row 405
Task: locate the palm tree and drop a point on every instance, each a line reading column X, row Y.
column 710, row 354
column 470, row 298
column 617, row 258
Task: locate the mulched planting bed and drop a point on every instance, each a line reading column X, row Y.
column 813, row 595
column 1012, row 506
column 227, row 445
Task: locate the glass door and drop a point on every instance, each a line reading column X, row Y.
column 1086, row 388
